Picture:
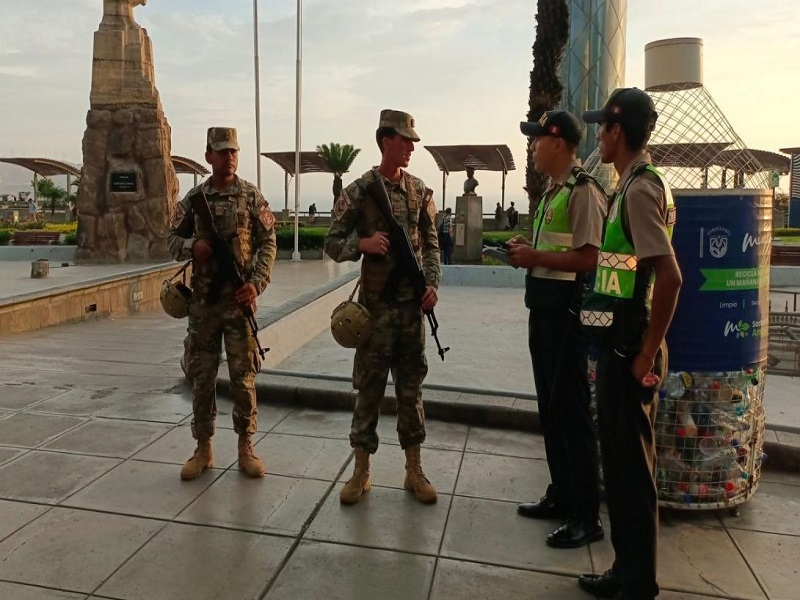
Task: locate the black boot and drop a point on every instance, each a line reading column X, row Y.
column 574, row 534
column 606, row 585
column 548, row 507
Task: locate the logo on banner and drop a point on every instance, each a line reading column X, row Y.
column 751, row 241
column 718, row 241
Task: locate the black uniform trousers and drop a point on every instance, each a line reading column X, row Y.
column 558, row 349
column 626, row 413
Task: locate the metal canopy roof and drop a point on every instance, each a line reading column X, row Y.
column 186, row 166
column 686, row 154
column 310, row 162
column 492, row 157
column 44, row 166
column 744, row 160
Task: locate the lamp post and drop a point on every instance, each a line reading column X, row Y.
column 298, row 96
column 258, row 93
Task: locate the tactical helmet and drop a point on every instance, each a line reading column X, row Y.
column 175, row 298
column 351, row 324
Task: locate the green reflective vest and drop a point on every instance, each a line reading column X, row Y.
column 617, row 277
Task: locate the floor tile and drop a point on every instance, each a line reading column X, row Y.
column 178, row 445
column 505, row 538
column 457, row 580
column 775, row 560
column 383, row 518
column 73, row 550
column 270, row 504
column 17, row 591
column 303, row 456
column 315, row 423
column 50, row 477
column 785, row 477
column 775, row 508
column 142, row 489
column 84, row 402
column 30, row 430
column 162, row 408
column 440, row 435
column 14, row 515
column 505, row 442
column 18, row 396
column 352, row 574
column 184, row 562
column 118, row 439
column 694, row 558
column 6, row 454
column 502, row 477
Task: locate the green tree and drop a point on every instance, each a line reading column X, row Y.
column 338, row 158
column 552, row 35
column 56, row 195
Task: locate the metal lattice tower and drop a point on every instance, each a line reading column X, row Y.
column 594, row 65
column 694, row 144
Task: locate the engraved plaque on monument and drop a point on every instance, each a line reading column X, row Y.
column 123, row 181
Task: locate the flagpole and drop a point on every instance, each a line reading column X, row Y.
column 258, row 93
column 297, row 142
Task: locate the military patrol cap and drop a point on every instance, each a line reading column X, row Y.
column 402, row 123
column 630, row 107
column 222, row 138
column 555, row 123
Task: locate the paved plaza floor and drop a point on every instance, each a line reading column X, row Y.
column 94, row 425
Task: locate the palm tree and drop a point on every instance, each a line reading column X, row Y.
column 45, row 188
column 338, row 159
column 552, row 35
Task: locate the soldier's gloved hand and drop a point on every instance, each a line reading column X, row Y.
column 246, row 295
column 429, row 298
column 377, row 243
column 202, row 251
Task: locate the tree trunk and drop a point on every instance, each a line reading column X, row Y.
column 552, row 35
column 337, row 186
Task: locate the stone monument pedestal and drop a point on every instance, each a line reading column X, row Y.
column 128, row 188
column 468, row 229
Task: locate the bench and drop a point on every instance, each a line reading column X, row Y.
column 784, row 339
column 785, row 255
column 36, row 238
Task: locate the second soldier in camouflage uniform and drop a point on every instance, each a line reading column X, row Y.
column 241, row 215
column 398, row 335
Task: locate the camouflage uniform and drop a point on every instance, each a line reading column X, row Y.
column 398, row 337
column 241, row 214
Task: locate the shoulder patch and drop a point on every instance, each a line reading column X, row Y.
column 264, row 213
column 342, row 205
column 178, row 215
column 671, row 216
column 430, row 205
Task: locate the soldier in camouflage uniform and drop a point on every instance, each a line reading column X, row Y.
column 398, row 337
column 242, row 215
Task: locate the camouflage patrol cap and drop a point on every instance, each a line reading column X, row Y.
column 402, row 123
column 222, row 138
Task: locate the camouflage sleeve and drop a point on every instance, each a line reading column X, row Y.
column 430, row 240
column 341, row 241
column 265, row 246
column 181, row 230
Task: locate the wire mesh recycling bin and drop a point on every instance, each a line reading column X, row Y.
column 710, row 421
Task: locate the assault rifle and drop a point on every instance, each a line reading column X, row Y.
column 406, row 260
column 228, row 270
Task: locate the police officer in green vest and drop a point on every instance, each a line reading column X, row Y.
column 635, row 292
column 567, row 234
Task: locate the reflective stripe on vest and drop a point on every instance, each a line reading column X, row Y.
column 616, row 267
column 553, row 230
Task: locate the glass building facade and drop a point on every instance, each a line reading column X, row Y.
column 594, row 64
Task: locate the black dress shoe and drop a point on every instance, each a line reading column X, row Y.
column 606, row 585
column 574, row 534
column 546, row 508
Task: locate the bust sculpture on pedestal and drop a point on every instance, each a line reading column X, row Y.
column 128, row 187
column 471, row 183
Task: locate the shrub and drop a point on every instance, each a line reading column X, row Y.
column 495, row 237
column 309, row 238
column 71, row 239
column 786, row 232
column 5, row 237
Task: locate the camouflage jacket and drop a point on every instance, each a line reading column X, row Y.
column 355, row 215
column 241, row 215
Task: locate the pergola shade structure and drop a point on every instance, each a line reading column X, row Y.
column 46, row 167
column 187, row 166
column 310, row 162
column 490, row 157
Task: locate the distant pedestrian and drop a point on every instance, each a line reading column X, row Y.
column 446, row 237
column 312, row 213
column 32, row 210
column 498, row 217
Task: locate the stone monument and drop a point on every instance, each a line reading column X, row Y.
column 128, row 188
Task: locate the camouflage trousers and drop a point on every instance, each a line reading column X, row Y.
column 208, row 326
column 397, row 343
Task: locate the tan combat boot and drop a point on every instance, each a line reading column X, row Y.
column 248, row 461
column 203, row 458
column 359, row 482
column 415, row 478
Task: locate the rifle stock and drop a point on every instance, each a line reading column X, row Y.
column 404, row 255
column 226, row 262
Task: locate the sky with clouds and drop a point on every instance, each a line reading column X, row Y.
column 461, row 67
